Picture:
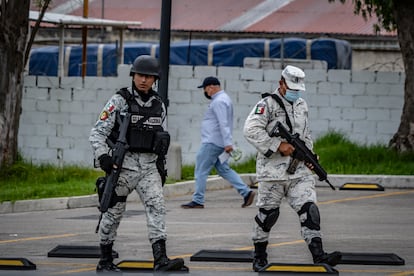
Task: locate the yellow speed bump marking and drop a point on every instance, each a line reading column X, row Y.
column 128, row 264
column 11, row 262
column 362, row 186
column 313, row 268
column 16, row 263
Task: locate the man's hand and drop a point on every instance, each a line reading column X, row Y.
column 105, row 162
column 286, row 149
column 228, row 149
column 310, row 166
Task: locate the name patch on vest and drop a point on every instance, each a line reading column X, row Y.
column 150, row 121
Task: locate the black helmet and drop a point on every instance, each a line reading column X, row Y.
column 146, row 65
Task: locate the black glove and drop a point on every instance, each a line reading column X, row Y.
column 105, row 162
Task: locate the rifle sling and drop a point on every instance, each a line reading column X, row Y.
column 282, row 105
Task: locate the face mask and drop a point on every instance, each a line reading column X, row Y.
column 207, row 96
column 292, row 95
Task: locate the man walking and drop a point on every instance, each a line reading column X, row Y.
column 216, row 139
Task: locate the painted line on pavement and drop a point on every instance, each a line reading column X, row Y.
column 365, row 197
column 38, row 238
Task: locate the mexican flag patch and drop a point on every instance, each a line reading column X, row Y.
column 260, row 108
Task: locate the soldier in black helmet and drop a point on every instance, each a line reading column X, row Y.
column 147, row 140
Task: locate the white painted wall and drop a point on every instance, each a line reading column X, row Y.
column 59, row 113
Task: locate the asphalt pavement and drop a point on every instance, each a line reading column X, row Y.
column 353, row 221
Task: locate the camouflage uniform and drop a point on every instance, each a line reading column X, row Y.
column 139, row 173
column 274, row 182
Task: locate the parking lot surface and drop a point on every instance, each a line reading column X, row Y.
column 352, row 221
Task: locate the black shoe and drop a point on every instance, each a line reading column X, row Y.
column 192, row 205
column 331, row 259
column 171, row 265
column 105, row 267
column 248, row 200
column 259, row 264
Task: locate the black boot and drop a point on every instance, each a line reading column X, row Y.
column 260, row 256
column 162, row 262
column 320, row 256
column 105, row 263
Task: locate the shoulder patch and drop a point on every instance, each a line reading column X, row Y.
column 260, row 108
column 104, row 115
column 109, row 107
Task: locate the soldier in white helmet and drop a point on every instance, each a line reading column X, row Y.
column 277, row 179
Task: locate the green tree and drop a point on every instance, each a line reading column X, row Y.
column 397, row 15
column 14, row 46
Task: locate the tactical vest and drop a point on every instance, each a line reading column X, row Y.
column 145, row 123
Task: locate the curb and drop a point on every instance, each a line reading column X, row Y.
column 184, row 188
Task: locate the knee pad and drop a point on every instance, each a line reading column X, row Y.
column 266, row 219
column 311, row 219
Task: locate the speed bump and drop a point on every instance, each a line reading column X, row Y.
column 135, row 265
column 144, row 266
column 77, row 251
column 371, row 259
column 243, row 256
column 299, row 268
column 16, row 264
column 362, row 186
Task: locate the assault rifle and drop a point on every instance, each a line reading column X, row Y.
column 301, row 153
column 118, row 153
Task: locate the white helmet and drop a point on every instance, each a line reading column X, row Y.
column 294, row 77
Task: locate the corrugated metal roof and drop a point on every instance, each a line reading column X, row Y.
column 292, row 16
column 64, row 19
column 316, row 16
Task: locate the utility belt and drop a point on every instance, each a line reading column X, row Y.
column 145, row 140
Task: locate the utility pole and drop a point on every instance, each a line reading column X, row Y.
column 165, row 33
column 84, row 38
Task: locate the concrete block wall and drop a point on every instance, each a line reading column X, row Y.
column 57, row 114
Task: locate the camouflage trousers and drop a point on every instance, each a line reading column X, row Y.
column 143, row 177
column 296, row 191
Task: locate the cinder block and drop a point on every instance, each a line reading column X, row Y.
column 228, row 73
column 30, row 81
column 205, row 71
column 336, row 75
column 316, row 76
column 354, row 114
column 46, row 81
column 181, row 71
column 71, row 82
column 251, row 74
column 363, row 76
column 388, row 77
column 189, row 83
column 37, row 93
column 259, row 86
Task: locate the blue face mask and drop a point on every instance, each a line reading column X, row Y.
column 292, row 95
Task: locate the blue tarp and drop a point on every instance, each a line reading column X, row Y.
column 233, row 52
column 337, row 53
column 188, row 52
column 292, row 48
column 102, row 58
column 44, row 61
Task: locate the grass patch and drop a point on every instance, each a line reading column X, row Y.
column 338, row 155
column 24, row 180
